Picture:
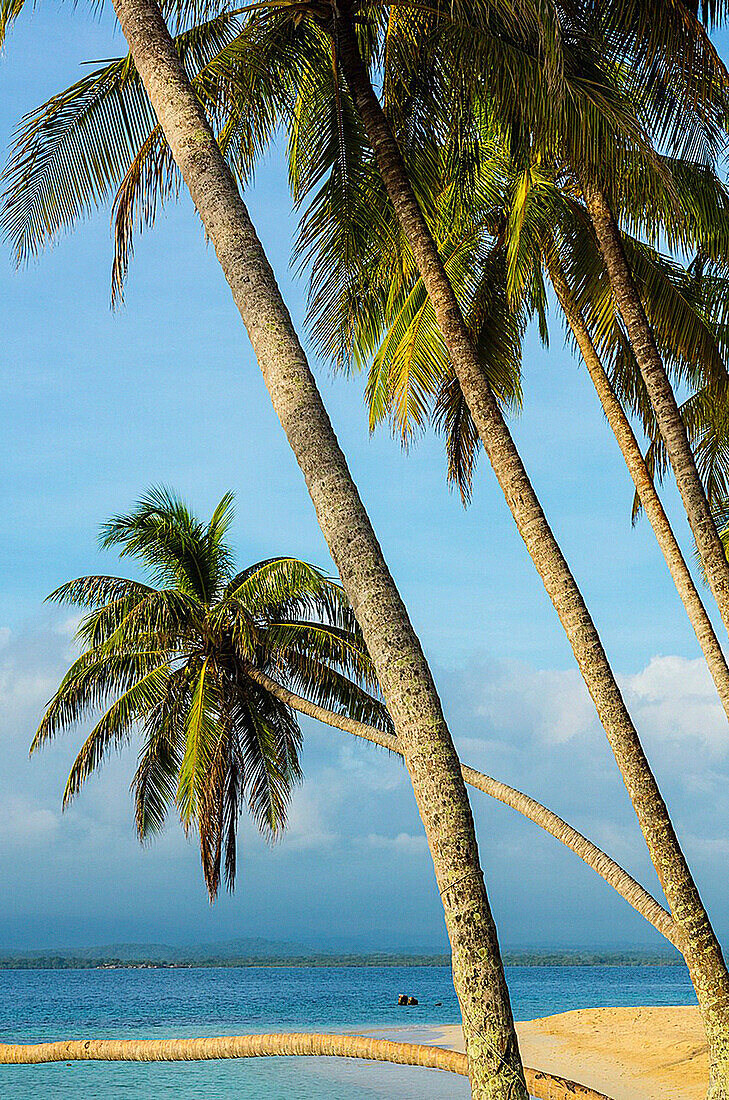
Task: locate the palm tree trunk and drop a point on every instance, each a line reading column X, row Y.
column 544, row 1086
column 661, row 395
column 643, row 482
column 546, row 819
column 701, row 948
column 495, row 1066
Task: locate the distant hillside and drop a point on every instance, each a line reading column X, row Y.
column 260, row 953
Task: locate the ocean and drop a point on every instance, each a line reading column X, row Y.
column 52, row 1004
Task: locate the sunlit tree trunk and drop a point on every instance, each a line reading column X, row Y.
column 644, row 485
column 662, row 397
column 700, row 946
column 542, row 1085
column 408, row 688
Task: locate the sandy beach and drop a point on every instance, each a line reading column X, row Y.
column 627, row 1053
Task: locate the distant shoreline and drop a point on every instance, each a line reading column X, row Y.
column 50, row 961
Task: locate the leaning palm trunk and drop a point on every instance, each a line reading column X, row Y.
column 662, row 397
column 643, row 482
column 700, row 946
column 623, row 883
column 495, row 1066
column 544, row 1086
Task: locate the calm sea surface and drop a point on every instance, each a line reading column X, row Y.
column 46, row 1004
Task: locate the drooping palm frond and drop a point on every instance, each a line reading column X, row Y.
column 72, row 153
column 173, row 666
column 116, row 727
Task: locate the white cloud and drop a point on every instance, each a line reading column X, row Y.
column 25, row 823
column 306, row 828
column 674, row 699
column 520, row 701
column 404, row 844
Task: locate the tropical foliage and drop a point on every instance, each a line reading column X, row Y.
column 168, row 662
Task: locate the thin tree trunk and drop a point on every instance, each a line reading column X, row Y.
column 407, row 684
column 662, row 397
column 645, row 488
column 701, row 948
column 546, row 819
column 544, row 1086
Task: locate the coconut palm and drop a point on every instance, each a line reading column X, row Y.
column 702, row 949
column 542, row 1084
column 605, row 202
column 540, row 541
column 172, row 662
column 408, row 688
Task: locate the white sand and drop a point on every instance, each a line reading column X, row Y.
column 627, row 1053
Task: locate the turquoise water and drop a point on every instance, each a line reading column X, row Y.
column 45, row 1004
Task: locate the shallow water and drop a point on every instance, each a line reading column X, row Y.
column 37, row 1005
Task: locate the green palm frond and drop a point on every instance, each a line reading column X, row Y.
column 328, row 687
column 116, row 727
column 706, row 417
column 688, row 342
column 269, row 744
column 202, row 736
column 97, row 591
column 321, row 642
column 9, row 12
column 88, row 684
column 99, row 140
column 154, row 785
column 172, row 544
column 276, row 585
column 670, row 55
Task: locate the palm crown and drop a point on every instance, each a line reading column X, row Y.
column 488, row 197
column 173, row 662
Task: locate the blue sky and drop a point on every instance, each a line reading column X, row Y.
column 96, row 406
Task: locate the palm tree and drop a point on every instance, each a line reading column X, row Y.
column 176, row 661
column 49, row 146
column 701, row 948
column 663, row 399
column 368, row 306
column 409, row 691
column 664, row 847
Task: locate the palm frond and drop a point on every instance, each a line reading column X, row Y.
column 115, row 727
column 89, row 683
column 202, row 736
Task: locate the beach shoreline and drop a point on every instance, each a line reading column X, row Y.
column 649, row 1053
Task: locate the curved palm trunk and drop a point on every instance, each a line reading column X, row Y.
column 700, row 946
column 643, row 482
column 589, row 853
column 495, row 1066
column 661, row 395
column 544, row 1086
